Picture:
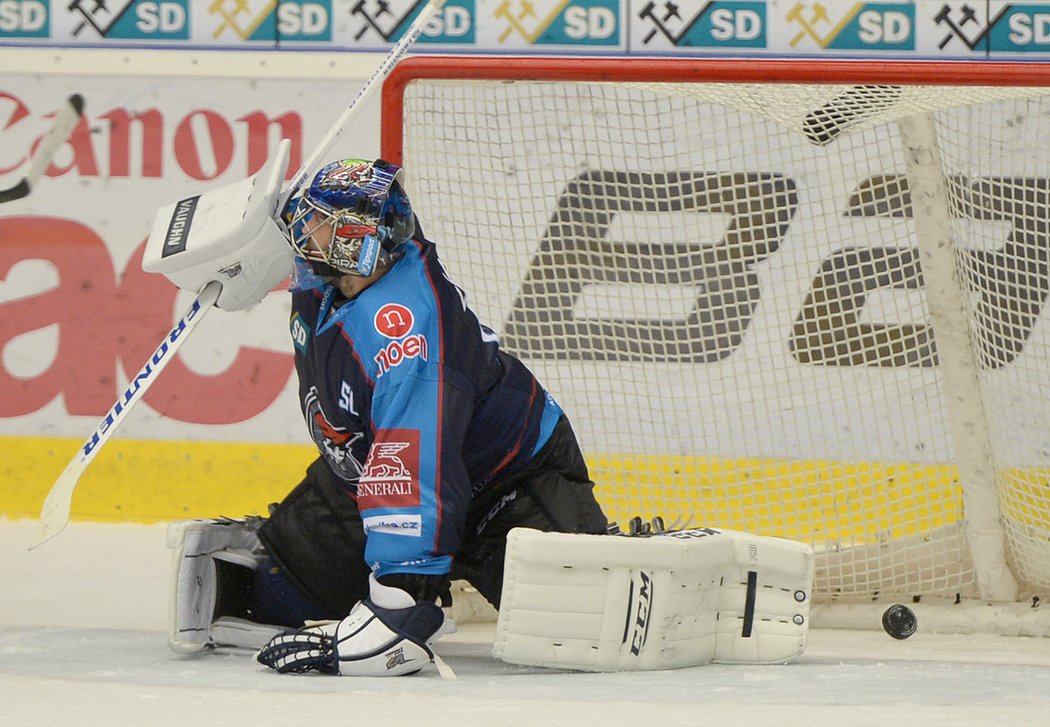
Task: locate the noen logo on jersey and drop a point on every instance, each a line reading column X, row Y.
column 394, row 320
column 397, row 352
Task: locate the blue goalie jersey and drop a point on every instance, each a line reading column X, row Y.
column 413, row 404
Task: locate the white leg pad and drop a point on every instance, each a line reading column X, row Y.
column 196, row 545
column 678, row 599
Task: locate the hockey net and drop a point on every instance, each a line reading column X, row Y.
column 805, row 300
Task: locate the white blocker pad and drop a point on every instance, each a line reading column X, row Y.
column 229, row 234
column 677, row 599
column 193, row 624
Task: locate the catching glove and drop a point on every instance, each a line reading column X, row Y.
column 392, row 639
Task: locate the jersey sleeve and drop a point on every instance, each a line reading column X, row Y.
column 414, row 491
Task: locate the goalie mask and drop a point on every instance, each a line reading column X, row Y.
column 353, row 214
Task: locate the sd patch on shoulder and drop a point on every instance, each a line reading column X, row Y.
column 300, row 332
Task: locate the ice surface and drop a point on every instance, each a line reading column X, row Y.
column 82, row 643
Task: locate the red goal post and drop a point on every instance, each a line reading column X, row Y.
column 647, row 70
column 798, row 298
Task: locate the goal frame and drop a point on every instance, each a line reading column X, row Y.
column 648, row 70
column 999, row 590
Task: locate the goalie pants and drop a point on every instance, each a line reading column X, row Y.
column 316, row 539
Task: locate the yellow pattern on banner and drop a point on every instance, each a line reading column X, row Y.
column 526, row 10
column 818, row 12
column 234, row 12
column 151, row 481
column 813, row 501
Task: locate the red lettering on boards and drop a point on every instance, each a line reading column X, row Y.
column 103, row 321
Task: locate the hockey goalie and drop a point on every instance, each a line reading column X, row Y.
column 441, row 457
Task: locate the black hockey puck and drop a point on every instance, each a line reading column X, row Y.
column 899, row 621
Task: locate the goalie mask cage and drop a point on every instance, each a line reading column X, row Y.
column 801, row 299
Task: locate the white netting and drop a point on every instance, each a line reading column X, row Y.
column 722, row 285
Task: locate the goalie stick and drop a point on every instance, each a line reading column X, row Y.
column 54, row 515
column 396, row 53
column 65, row 121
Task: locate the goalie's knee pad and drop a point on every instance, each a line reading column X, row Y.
column 677, row 599
column 213, row 571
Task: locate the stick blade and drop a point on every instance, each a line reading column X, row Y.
column 18, row 191
column 76, row 101
column 66, row 120
column 54, row 515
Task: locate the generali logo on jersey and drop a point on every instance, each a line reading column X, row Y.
column 391, row 475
